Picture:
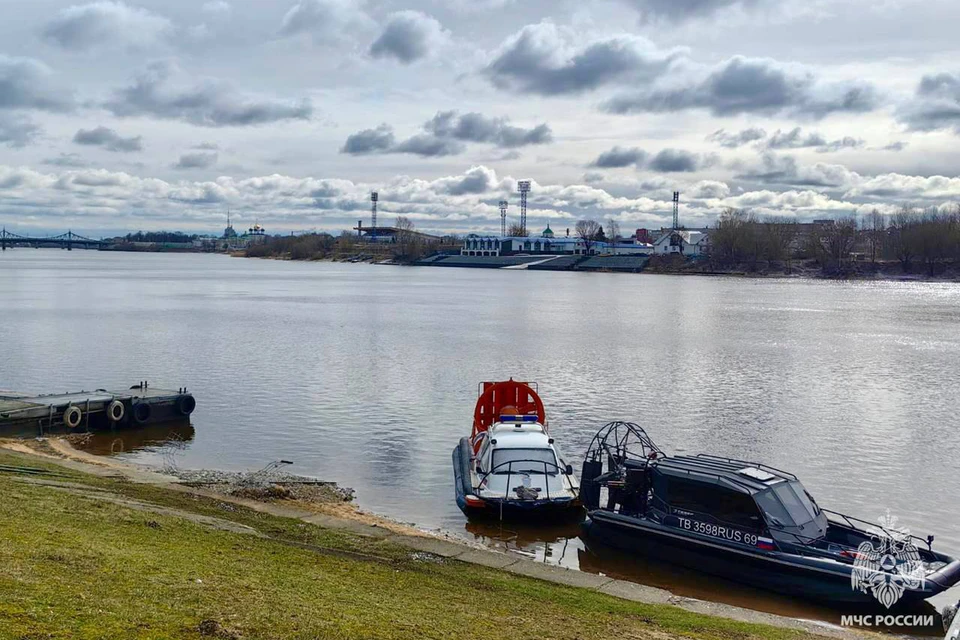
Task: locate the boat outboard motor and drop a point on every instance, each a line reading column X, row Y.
column 589, row 487
column 951, row 621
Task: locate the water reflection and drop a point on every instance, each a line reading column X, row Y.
column 171, row 436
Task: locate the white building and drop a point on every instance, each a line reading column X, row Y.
column 475, row 245
column 683, row 242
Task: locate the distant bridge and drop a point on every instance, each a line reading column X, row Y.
column 68, row 241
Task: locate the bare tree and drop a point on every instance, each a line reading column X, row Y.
column 903, row 232
column 837, row 241
column 730, row 241
column 779, row 235
column 876, row 228
column 613, row 233
column 587, row 231
column 407, row 241
column 516, row 231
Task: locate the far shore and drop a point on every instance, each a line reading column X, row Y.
column 858, row 271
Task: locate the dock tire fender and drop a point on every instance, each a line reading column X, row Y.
column 142, row 412
column 465, row 451
column 116, row 411
column 72, row 416
column 186, row 404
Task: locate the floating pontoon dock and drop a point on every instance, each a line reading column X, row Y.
column 24, row 414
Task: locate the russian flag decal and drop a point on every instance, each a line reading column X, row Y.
column 765, row 543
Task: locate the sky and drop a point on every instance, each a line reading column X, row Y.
column 118, row 116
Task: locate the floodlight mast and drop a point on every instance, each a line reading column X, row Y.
column 523, row 186
column 676, row 210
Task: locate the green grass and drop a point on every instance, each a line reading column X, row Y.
column 75, row 567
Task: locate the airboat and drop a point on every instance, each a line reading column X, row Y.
column 750, row 523
column 510, row 466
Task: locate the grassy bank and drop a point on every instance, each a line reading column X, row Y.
column 92, row 557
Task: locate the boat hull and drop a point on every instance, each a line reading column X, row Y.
column 790, row 575
column 505, row 508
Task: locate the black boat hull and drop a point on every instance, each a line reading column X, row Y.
column 551, row 510
column 774, row 571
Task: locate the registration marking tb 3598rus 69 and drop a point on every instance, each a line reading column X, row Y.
column 717, row 531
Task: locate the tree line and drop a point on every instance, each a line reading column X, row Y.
column 159, row 237
column 927, row 239
column 407, row 245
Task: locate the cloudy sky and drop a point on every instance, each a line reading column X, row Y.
column 120, row 116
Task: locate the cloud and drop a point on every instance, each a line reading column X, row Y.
column 198, row 160
column 897, row 146
column 545, row 59
column 735, row 140
column 454, row 203
column 108, row 139
column 935, row 104
column 71, row 160
column 428, row 145
column 618, row 157
column 751, row 85
column 475, row 127
column 793, row 139
column 681, row 10
column 905, row 188
column 17, row 130
column 208, row 103
column 445, row 135
column 323, row 20
column 216, row 7
column 784, row 170
column 408, row 37
column 99, row 24
column 26, row 83
column 368, row 141
column 675, row 161
column 796, row 139
column 476, row 180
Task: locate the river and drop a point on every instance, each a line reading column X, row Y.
column 367, row 375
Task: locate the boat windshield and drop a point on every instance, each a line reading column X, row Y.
column 788, row 507
column 524, row 460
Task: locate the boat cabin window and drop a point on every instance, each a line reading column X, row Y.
column 524, row 460
column 789, row 509
column 732, row 507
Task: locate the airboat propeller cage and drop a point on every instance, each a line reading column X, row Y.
column 508, row 401
column 614, row 445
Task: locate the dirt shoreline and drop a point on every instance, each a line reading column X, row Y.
column 62, row 449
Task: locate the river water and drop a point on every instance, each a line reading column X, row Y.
column 367, row 375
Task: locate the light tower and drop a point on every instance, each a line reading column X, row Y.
column 523, row 187
column 676, row 210
column 503, row 217
column 373, row 211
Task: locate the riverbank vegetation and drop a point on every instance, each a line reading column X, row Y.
column 405, row 245
column 909, row 242
column 85, row 556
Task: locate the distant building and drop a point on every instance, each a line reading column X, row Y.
column 684, row 242
column 476, row 245
column 389, row 235
column 254, row 235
